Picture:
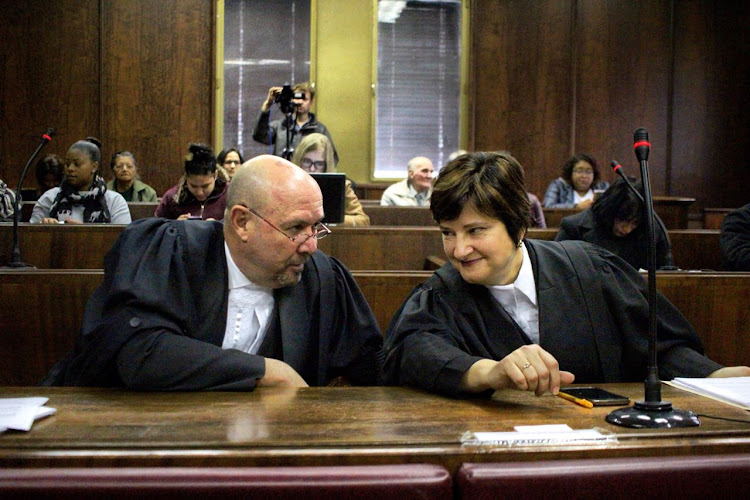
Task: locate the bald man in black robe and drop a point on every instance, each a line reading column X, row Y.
column 159, row 320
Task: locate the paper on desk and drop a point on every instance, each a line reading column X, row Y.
column 529, row 436
column 731, row 390
column 19, row 413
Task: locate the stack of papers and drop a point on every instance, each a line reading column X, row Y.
column 19, row 413
column 733, row 390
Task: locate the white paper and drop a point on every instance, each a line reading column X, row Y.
column 20, row 413
column 534, row 438
column 731, row 390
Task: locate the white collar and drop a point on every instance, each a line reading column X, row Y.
column 524, row 282
column 236, row 278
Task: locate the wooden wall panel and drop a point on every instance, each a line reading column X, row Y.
column 49, row 78
column 711, row 128
column 157, row 76
column 521, row 74
column 622, row 72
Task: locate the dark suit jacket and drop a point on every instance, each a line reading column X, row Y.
column 593, row 318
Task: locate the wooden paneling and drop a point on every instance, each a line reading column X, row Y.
column 622, row 72
column 521, row 71
column 156, row 83
column 136, row 74
column 711, row 128
column 49, row 78
column 42, row 310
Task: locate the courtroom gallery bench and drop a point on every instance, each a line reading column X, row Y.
column 359, row 248
column 41, row 312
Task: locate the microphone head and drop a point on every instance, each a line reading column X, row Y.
column 641, row 144
column 47, row 136
column 615, row 166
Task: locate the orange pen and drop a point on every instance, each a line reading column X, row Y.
column 583, row 402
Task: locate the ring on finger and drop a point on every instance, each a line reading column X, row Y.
column 526, row 366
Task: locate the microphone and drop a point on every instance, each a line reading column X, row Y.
column 652, row 412
column 617, row 168
column 15, row 258
column 641, row 144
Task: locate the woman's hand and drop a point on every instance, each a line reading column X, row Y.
column 731, row 371
column 50, row 220
column 183, row 217
column 584, row 204
column 528, row 368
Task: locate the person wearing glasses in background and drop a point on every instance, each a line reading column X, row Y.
column 575, row 189
column 126, row 181
column 315, row 154
column 230, row 159
column 230, row 306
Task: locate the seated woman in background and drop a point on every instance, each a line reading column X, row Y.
column 201, row 192
column 314, row 153
column 126, row 181
column 575, row 189
column 516, row 313
column 49, row 174
column 615, row 222
column 230, row 159
column 7, row 202
column 83, row 195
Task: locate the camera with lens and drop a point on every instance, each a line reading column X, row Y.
column 285, row 97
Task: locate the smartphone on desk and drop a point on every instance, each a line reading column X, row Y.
column 595, row 395
column 195, row 217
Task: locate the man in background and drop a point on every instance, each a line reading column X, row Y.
column 298, row 124
column 415, row 190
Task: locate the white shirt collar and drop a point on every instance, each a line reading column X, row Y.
column 236, row 278
column 524, row 282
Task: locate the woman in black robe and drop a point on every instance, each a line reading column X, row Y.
column 506, row 312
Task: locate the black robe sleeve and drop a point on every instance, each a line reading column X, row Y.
column 157, row 321
column 735, row 240
column 593, row 316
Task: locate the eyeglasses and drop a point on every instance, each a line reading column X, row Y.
column 318, row 166
column 583, row 171
column 319, row 230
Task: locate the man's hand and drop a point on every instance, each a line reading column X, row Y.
column 528, row 368
column 280, row 374
column 272, row 93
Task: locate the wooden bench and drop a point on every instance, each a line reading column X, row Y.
column 41, row 312
column 138, row 210
column 714, row 217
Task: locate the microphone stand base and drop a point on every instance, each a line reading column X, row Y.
column 659, row 415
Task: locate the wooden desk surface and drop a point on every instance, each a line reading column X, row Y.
column 333, row 425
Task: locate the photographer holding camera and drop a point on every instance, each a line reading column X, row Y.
column 286, row 133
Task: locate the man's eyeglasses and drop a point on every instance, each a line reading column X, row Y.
column 319, row 230
column 314, row 166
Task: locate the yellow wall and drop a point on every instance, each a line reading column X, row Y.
column 342, row 60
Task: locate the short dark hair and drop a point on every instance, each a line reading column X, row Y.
column 493, row 182
column 200, row 160
column 223, row 155
column 49, row 164
column 618, row 202
column 567, row 171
